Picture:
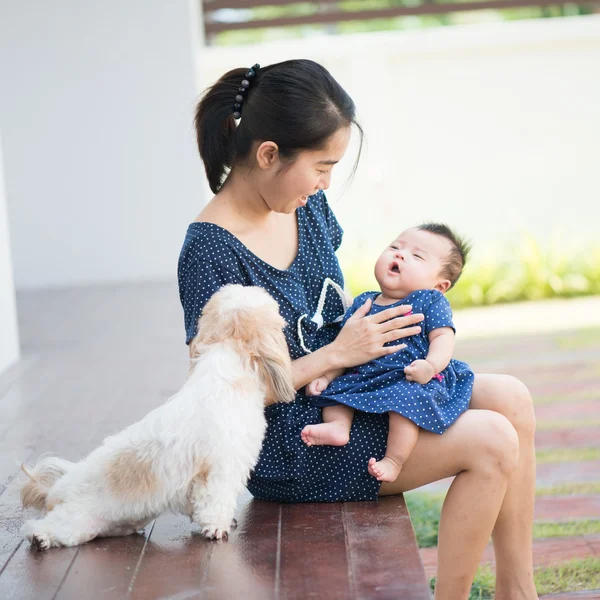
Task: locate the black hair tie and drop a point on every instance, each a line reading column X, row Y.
column 242, row 91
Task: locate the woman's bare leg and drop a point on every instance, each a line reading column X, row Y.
column 512, row 534
column 481, row 449
column 401, row 440
column 333, row 431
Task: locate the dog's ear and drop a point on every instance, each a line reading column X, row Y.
column 195, row 347
column 277, row 378
column 272, row 360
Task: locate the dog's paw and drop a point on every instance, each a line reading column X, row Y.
column 213, row 532
column 40, row 542
column 30, row 531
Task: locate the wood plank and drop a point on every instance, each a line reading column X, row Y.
column 21, row 566
column 44, row 425
column 23, row 418
column 103, row 568
column 246, row 566
column 174, row 562
column 90, row 378
column 314, row 561
column 82, row 388
column 178, row 561
column 383, row 550
column 31, row 575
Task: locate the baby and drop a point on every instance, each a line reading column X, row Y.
column 420, row 386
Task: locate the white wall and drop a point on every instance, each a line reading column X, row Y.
column 493, row 127
column 96, row 108
column 9, row 337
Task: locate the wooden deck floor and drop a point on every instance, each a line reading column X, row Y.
column 95, row 360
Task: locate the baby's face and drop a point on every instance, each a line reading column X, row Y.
column 413, row 261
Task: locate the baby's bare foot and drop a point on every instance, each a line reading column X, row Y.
column 386, row 469
column 325, row 434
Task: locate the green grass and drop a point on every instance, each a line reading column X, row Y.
column 566, row 489
column 571, row 576
column 425, row 512
column 560, row 455
column 561, row 489
column 552, row 530
column 483, row 586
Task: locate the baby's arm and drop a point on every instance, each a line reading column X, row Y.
column 316, row 386
column 441, row 348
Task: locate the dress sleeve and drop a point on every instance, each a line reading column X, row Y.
column 335, row 229
column 438, row 314
column 198, row 281
column 358, row 302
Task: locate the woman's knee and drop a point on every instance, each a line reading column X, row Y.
column 519, row 406
column 496, row 445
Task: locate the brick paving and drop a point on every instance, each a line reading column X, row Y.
column 562, row 371
column 546, row 552
column 567, row 508
column 583, row 437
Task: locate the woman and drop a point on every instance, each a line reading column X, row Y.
column 269, row 139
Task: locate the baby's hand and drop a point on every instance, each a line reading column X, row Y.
column 420, row 371
column 316, row 386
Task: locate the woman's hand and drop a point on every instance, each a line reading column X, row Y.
column 363, row 337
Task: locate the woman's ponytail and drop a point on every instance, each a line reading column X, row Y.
column 215, row 127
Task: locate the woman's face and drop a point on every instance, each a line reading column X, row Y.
column 287, row 187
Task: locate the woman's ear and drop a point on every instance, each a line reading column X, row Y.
column 267, row 155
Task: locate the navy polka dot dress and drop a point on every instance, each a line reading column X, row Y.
column 381, row 385
column 287, row 469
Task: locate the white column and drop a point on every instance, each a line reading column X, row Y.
column 96, row 107
column 9, row 335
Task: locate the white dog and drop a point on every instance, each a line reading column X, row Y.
column 193, row 454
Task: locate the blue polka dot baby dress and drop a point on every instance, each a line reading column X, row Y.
column 307, row 293
column 381, row 385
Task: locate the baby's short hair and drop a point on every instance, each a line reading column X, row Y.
column 460, row 248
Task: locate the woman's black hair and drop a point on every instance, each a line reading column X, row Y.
column 297, row 104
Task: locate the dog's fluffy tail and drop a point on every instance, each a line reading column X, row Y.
column 42, row 476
